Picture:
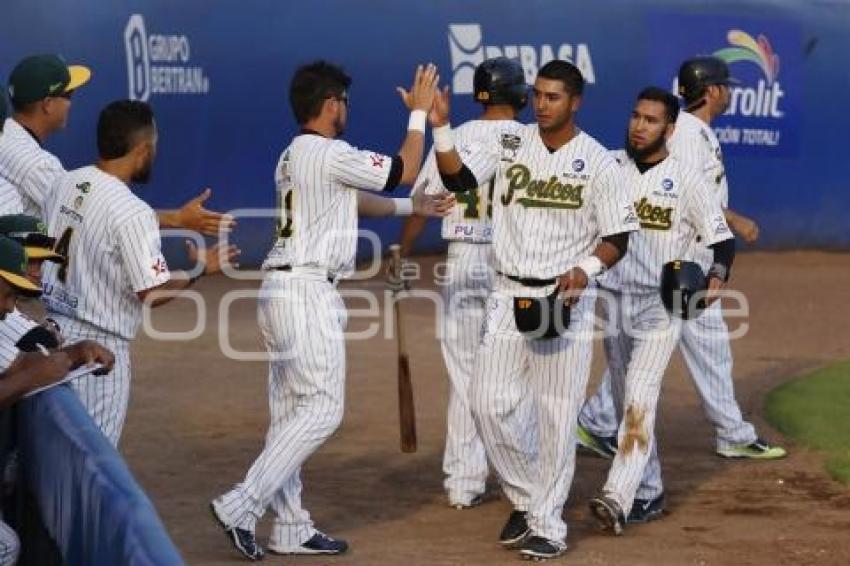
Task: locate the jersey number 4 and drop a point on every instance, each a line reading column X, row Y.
column 61, row 248
column 472, row 200
column 284, row 223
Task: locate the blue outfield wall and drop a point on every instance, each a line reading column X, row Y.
column 217, row 72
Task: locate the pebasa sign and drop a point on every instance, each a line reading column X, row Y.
column 468, row 49
column 763, row 118
column 160, row 64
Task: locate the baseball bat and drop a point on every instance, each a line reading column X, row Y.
column 406, row 410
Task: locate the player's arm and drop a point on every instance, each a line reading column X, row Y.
column 193, row 216
column 419, row 204
column 743, row 226
column 710, row 221
column 616, row 220
column 30, row 371
column 463, row 169
column 357, row 169
column 210, row 261
column 418, row 100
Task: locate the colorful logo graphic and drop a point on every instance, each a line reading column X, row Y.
column 745, row 48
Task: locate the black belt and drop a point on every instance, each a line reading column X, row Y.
column 289, row 268
column 528, row 281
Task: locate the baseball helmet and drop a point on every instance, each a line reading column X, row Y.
column 680, row 281
column 500, row 81
column 698, row 73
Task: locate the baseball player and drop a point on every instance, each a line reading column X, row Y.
column 300, row 312
column 704, row 85
column 113, row 258
column 674, row 206
column 560, row 217
column 40, row 88
column 499, row 85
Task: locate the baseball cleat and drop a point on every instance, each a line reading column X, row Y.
column 758, row 450
column 242, row 540
column 646, row 510
column 608, row 513
column 460, row 505
column 515, row 530
column 319, row 543
column 602, row 446
column 539, row 548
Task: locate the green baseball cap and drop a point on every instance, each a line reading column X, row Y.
column 31, row 233
column 13, row 268
column 38, row 76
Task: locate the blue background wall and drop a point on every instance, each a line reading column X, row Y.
column 230, row 137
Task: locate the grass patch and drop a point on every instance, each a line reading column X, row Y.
column 814, row 409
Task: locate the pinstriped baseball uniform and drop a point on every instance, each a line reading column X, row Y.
column 704, row 341
column 15, row 326
column 302, row 319
column 550, row 209
column 10, row 199
column 469, row 279
column 674, row 206
column 111, row 239
column 26, row 166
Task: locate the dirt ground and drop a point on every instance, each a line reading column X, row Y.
column 197, row 419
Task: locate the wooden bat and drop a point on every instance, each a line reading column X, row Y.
column 406, row 409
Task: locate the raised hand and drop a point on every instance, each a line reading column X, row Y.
column 438, row 205
column 423, row 90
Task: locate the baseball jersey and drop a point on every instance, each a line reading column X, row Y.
column 30, row 169
column 15, row 326
column 110, row 238
column 316, row 179
column 472, row 219
column 10, row 199
column 8, row 353
column 549, row 207
column 673, row 205
column 694, row 142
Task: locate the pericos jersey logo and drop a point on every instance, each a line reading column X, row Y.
column 160, row 64
column 467, row 50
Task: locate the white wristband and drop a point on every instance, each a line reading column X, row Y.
column 417, row 121
column 591, row 265
column 403, row 206
column 443, row 138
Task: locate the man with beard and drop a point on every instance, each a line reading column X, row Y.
column 561, row 216
column 704, row 85
column 322, row 183
column 113, row 259
column 674, row 207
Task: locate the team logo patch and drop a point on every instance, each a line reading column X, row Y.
column 510, row 146
column 578, row 165
column 377, row 161
column 667, row 184
column 84, row 187
column 78, row 202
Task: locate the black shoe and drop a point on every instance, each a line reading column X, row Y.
column 646, row 510
column 539, row 548
column 515, row 530
column 608, row 513
column 319, row 543
column 242, row 540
